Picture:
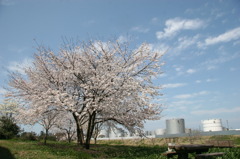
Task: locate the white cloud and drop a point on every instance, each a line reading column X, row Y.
column 88, row 23
column 173, row 26
column 207, row 80
column 202, row 93
column 19, row 66
column 211, row 67
column 233, row 69
column 211, row 80
column 18, row 50
column 191, row 71
column 225, row 37
column 236, row 43
column 159, row 47
column 154, row 20
column 174, row 85
column 140, row 29
column 176, row 104
column 216, row 111
column 212, row 63
column 198, row 81
column 162, row 75
column 181, row 71
column 122, row 39
column 185, row 96
column 178, row 68
column 185, row 42
column 217, row 13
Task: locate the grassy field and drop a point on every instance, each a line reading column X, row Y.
column 11, row 149
column 112, row 149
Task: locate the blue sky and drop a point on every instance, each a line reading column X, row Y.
column 202, row 39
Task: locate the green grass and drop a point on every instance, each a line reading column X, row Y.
column 16, row 149
column 234, row 138
column 35, row 150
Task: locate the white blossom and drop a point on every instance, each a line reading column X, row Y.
column 96, row 82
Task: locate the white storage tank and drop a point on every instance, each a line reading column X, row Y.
column 175, row 126
column 212, row 125
column 160, row 131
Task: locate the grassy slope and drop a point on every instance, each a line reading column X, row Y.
column 34, row 150
column 117, row 149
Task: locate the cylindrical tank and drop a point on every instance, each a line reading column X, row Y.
column 212, row 125
column 160, row 131
column 175, row 126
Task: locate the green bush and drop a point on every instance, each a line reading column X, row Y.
column 8, row 128
column 230, row 153
column 50, row 136
column 28, row 136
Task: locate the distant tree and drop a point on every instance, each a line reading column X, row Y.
column 50, row 136
column 8, row 107
column 47, row 119
column 97, row 129
column 67, row 125
column 8, row 128
column 60, row 136
column 96, row 82
column 32, row 136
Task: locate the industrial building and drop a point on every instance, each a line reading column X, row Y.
column 174, row 128
column 212, row 125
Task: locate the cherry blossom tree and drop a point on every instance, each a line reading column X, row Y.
column 97, row 129
column 67, row 125
column 96, row 82
column 8, row 107
column 47, row 119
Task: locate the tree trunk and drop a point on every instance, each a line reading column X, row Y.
column 45, row 137
column 97, row 129
column 90, row 129
column 81, row 136
column 79, row 131
column 69, row 137
column 95, row 140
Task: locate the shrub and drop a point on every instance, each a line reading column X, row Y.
column 8, row 128
column 50, row 137
column 28, row 136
